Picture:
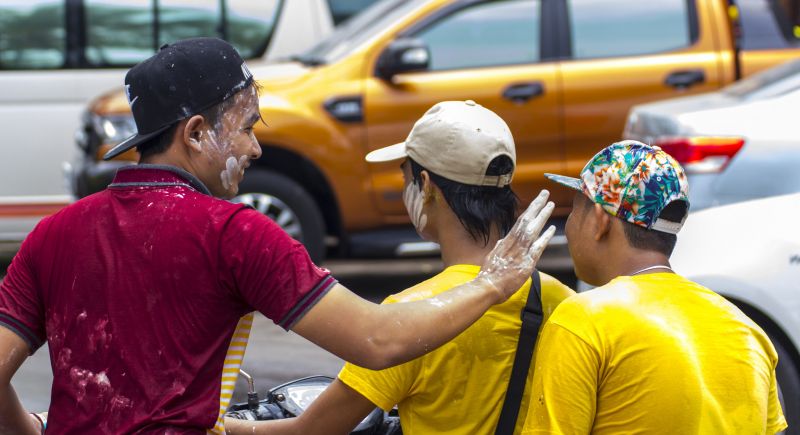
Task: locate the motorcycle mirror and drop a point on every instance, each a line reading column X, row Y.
column 296, row 396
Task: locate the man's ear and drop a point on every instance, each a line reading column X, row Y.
column 428, row 188
column 601, row 222
column 192, row 130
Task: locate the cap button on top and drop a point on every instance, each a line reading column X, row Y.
column 470, row 103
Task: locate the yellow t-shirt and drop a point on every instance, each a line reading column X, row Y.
column 653, row 354
column 458, row 388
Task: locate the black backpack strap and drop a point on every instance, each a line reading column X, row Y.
column 531, row 322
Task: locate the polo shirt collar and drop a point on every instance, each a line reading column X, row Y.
column 147, row 175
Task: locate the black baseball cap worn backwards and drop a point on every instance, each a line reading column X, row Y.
column 181, row 80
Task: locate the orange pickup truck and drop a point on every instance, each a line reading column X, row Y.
column 562, row 73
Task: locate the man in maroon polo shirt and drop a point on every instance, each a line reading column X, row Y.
column 140, row 290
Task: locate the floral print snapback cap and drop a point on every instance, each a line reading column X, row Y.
column 633, row 182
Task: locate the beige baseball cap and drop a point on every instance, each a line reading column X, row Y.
column 456, row 140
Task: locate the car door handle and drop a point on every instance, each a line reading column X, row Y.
column 523, row 92
column 685, row 79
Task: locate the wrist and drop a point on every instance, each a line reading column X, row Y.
column 489, row 287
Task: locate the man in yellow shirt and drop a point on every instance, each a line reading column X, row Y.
column 458, row 162
column 649, row 351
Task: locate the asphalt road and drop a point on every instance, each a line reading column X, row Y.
column 273, row 355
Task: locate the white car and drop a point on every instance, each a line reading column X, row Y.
column 749, row 252
column 727, row 141
column 56, row 55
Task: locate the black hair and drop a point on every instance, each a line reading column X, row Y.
column 157, row 144
column 161, row 142
column 652, row 240
column 478, row 208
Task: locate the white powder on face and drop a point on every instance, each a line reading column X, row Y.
column 412, row 198
column 234, row 169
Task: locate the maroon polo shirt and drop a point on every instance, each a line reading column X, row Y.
column 138, row 290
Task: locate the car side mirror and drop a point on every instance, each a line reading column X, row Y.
column 403, row 55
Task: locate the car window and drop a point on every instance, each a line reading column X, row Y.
column 250, row 24
column 486, row 34
column 364, row 26
column 613, row 28
column 341, row 10
column 125, row 32
column 32, row 34
column 766, row 24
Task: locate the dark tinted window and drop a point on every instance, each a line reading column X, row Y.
column 124, row 32
column 341, row 10
column 612, row 28
column 250, row 24
column 486, row 34
column 119, row 32
column 766, row 24
column 32, row 34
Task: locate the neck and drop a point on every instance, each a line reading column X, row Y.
column 458, row 247
column 635, row 261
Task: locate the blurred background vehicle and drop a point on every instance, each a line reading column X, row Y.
column 749, row 252
column 563, row 74
column 736, row 144
column 55, row 55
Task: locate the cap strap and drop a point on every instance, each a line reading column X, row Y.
column 497, row 181
column 666, row 226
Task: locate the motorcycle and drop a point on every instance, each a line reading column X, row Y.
column 293, row 398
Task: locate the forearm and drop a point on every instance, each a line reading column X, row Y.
column 377, row 337
column 405, row 331
column 14, row 420
column 380, row 336
column 272, row 427
column 336, row 411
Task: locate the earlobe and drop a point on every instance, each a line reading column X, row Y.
column 192, row 133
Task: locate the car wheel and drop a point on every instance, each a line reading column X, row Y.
column 286, row 202
column 788, row 375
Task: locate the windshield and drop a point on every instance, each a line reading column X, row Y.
column 357, row 30
column 769, row 83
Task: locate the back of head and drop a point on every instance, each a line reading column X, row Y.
column 182, row 79
column 641, row 185
column 469, row 153
column 482, row 210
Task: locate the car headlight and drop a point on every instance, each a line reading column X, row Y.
column 114, row 128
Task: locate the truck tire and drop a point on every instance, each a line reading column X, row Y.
column 286, row 202
column 788, row 375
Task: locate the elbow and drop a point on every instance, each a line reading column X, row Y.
column 382, row 353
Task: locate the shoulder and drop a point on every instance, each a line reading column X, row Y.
column 243, row 219
column 445, row 280
column 553, row 289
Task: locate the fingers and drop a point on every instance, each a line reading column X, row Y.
column 536, row 225
column 536, row 250
column 532, row 211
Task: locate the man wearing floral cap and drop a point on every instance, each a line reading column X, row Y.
column 648, row 351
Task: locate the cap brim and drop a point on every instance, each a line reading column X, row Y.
column 572, row 183
column 131, row 142
column 387, row 154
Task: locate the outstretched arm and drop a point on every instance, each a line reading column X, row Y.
column 13, row 417
column 380, row 336
column 337, row 411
